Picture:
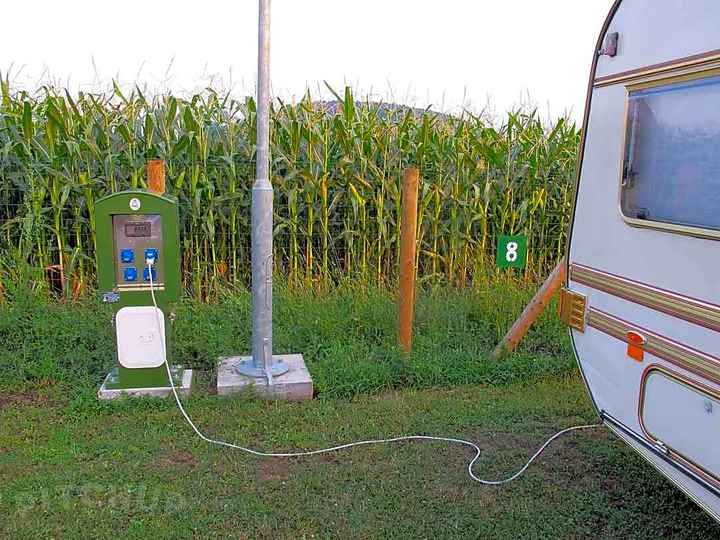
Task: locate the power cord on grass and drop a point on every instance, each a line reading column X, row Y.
column 451, row 440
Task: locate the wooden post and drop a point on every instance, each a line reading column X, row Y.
column 156, row 176
column 408, row 233
column 532, row 311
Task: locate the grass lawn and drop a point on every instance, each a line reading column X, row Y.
column 78, row 469
column 71, row 467
column 348, row 338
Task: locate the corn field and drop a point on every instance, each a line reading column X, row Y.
column 336, row 169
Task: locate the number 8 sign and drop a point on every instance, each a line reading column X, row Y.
column 511, row 251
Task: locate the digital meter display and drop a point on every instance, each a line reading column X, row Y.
column 138, row 229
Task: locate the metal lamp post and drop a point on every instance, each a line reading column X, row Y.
column 262, row 363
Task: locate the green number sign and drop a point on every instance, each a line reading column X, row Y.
column 511, row 251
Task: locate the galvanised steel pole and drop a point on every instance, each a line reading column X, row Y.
column 262, row 363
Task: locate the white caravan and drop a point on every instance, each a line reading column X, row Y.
column 643, row 290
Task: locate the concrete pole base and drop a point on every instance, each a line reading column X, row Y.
column 294, row 385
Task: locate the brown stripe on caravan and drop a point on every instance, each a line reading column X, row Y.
column 694, row 385
column 678, row 354
column 680, row 306
column 697, row 60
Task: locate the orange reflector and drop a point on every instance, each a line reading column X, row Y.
column 636, row 346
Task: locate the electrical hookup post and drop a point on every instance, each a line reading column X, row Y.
column 272, row 376
column 138, row 257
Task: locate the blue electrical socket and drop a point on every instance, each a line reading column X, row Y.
column 127, row 255
column 151, row 253
column 146, row 275
column 130, row 274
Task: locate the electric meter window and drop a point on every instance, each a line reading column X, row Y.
column 135, row 238
column 671, row 169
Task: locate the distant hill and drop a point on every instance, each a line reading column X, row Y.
column 385, row 110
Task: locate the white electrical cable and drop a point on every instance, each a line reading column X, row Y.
column 258, row 453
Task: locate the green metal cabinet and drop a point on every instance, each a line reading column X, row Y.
column 128, row 224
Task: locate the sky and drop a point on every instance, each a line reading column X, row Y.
column 447, row 55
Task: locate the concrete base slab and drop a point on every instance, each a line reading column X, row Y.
column 295, row 385
column 160, row 392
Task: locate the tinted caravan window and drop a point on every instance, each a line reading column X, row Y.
column 671, row 170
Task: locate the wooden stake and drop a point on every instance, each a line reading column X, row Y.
column 532, row 311
column 156, row 176
column 408, row 233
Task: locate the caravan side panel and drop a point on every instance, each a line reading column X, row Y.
column 657, row 283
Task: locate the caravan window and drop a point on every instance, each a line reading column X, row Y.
column 671, row 169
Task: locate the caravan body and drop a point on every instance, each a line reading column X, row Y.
column 643, row 295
